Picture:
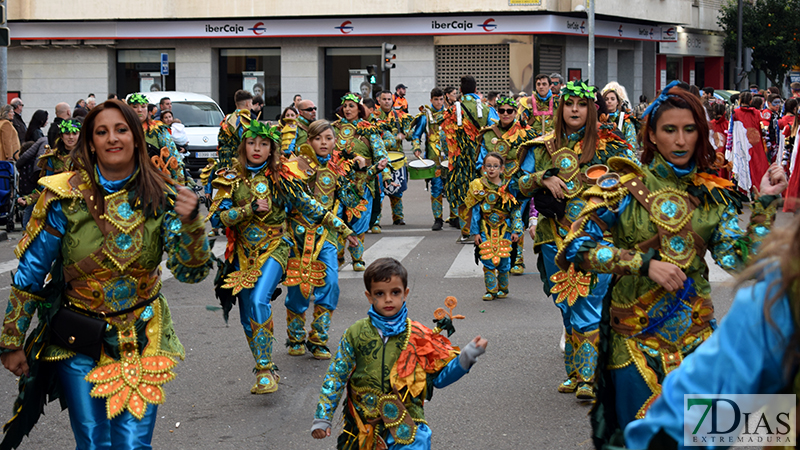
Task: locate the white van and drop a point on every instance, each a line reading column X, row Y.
column 201, row 116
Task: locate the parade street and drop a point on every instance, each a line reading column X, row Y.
column 508, row 401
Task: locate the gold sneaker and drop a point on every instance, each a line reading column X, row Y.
column 585, row 391
column 297, row 350
column 569, row 386
column 266, row 382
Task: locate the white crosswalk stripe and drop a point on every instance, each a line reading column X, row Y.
column 386, row 247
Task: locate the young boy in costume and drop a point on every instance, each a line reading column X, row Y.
column 495, row 224
column 387, row 411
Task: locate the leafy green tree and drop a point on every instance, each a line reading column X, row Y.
column 770, row 28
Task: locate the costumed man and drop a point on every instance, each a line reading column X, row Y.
column 359, row 140
column 229, row 137
column 462, row 123
column 769, row 121
column 312, row 268
column 537, row 111
column 562, row 159
column 307, row 113
column 428, row 123
column 394, row 124
column 160, row 146
column 505, row 137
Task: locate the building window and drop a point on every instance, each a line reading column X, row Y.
column 257, row 70
column 488, row 63
column 343, row 66
column 140, row 70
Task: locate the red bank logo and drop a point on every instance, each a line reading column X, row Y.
column 346, row 27
column 489, row 25
column 670, row 32
column 258, row 29
column 620, row 30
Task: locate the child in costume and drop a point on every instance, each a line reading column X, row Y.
column 252, row 199
column 361, row 141
column 505, row 137
column 387, row 411
column 313, row 268
column 495, row 224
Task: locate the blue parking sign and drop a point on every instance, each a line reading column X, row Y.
column 164, row 64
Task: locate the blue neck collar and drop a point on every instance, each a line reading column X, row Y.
column 324, row 159
column 115, row 185
column 578, row 135
column 256, row 169
column 681, row 172
column 389, row 326
column 546, row 98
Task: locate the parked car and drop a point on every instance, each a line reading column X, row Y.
column 724, row 95
column 201, row 116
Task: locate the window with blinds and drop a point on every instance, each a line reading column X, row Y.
column 488, row 63
column 550, row 59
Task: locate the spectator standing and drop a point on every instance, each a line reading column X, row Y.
column 38, row 122
column 258, row 105
column 165, row 104
column 91, row 102
column 19, row 124
column 556, row 83
column 9, row 140
column 399, row 101
column 62, row 113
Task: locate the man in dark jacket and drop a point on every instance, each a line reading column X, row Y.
column 19, row 124
column 62, row 113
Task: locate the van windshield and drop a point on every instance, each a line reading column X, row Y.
column 197, row 114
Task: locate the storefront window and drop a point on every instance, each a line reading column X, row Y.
column 341, row 72
column 140, row 70
column 674, row 68
column 257, row 70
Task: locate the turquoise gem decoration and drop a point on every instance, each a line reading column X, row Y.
column 678, row 244
column 605, row 254
column 124, row 241
column 320, row 229
column 566, row 163
column 728, row 261
column 301, row 229
column 121, row 293
column 608, row 183
column 346, row 131
column 491, row 197
column 326, row 180
column 233, row 214
column 761, row 230
column 486, row 207
column 147, row 314
column 390, row 411
column 261, row 188
column 570, row 185
column 669, row 209
column 403, row 432
column 124, row 210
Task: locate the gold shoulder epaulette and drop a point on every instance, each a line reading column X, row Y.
column 60, row 186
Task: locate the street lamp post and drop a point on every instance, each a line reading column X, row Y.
column 590, row 16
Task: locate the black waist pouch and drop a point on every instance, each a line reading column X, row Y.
column 77, row 332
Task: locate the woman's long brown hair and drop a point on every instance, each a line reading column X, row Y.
column 589, row 143
column 149, row 183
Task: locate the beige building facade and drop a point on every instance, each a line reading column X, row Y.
column 321, row 50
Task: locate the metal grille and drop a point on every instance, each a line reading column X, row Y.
column 550, row 59
column 487, row 63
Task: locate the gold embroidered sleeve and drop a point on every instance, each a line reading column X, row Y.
column 188, row 249
column 21, row 306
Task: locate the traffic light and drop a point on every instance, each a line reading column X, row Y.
column 389, row 56
column 372, row 72
column 748, row 59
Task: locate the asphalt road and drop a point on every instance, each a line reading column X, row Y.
column 508, row 401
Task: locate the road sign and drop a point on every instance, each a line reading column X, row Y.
column 164, row 64
column 5, row 37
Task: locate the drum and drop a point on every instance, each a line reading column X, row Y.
column 397, row 159
column 399, row 182
column 421, row 169
column 446, row 164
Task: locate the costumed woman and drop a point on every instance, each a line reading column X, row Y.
column 160, row 146
column 360, row 141
column 615, row 101
column 663, row 217
column 495, row 225
column 754, row 351
column 252, row 198
column 789, row 161
column 563, row 158
column 313, row 267
column 56, row 160
column 103, row 227
column 719, row 136
column 746, row 149
column 505, row 137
